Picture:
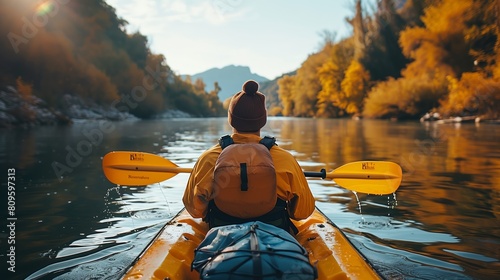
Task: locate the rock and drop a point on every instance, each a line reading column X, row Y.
column 28, row 111
column 17, row 110
column 77, row 108
column 430, row 117
column 171, row 114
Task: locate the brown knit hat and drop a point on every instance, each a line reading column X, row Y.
column 247, row 109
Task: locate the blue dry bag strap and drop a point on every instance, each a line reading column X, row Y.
column 255, row 249
column 267, row 141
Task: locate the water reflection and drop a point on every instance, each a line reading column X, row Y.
column 450, row 189
column 442, row 224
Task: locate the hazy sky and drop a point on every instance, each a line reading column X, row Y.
column 271, row 37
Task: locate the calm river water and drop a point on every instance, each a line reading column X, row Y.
column 69, row 222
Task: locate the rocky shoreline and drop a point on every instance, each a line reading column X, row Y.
column 17, row 110
column 436, row 117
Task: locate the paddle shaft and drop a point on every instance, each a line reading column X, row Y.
column 140, row 169
column 321, row 174
column 153, row 168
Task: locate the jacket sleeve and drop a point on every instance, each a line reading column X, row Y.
column 199, row 189
column 293, row 186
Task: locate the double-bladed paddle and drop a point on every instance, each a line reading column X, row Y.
column 139, row 169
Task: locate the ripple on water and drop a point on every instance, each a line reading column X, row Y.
column 393, row 263
column 383, row 227
column 375, row 223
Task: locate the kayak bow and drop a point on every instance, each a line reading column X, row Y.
column 171, row 252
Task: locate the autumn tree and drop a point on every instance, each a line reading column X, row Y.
column 331, row 73
column 306, row 85
column 273, row 103
column 473, row 94
column 286, row 85
column 214, row 104
column 442, row 51
column 460, row 40
column 359, row 36
column 330, row 76
column 199, row 86
column 83, row 49
column 440, row 46
column 403, row 61
column 405, row 97
column 354, row 88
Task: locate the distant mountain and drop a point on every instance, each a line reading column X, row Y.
column 230, row 79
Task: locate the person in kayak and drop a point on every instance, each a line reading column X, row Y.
column 206, row 195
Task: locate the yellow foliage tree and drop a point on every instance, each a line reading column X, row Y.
column 199, row 86
column 330, row 76
column 286, row 84
column 473, row 94
column 425, row 50
column 442, row 45
column 440, row 54
column 307, row 85
column 405, row 97
column 354, row 87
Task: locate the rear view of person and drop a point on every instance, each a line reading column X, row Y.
column 246, row 177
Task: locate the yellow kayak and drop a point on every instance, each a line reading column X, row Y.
column 170, row 254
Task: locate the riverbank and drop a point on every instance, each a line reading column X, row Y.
column 18, row 110
column 436, row 117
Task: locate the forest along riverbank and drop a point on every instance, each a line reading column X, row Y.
column 19, row 108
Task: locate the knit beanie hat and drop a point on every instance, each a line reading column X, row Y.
column 247, row 109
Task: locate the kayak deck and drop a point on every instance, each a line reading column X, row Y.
column 170, row 254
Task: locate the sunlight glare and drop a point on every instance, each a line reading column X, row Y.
column 45, row 8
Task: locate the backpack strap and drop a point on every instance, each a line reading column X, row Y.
column 243, row 177
column 268, row 141
column 225, row 141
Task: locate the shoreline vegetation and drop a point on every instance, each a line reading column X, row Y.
column 402, row 62
column 20, row 111
column 68, row 60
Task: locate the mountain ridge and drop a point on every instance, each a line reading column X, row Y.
column 230, row 79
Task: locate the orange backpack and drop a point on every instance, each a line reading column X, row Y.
column 245, row 178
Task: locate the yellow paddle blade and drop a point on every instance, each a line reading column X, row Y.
column 372, row 177
column 138, row 169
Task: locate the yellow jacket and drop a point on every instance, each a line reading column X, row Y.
column 291, row 183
